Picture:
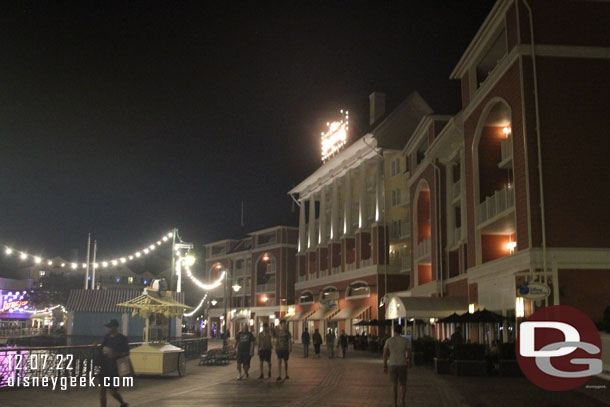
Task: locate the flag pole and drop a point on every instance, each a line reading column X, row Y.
column 88, row 251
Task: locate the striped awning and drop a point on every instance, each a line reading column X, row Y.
column 301, row 315
column 82, row 300
column 350, row 313
column 321, row 314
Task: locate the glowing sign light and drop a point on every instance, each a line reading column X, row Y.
column 335, row 136
column 16, row 302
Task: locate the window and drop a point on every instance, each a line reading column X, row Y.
column 306, row 296
column 393, row 168
column 130, row 280
column 458, row 216
column 398, row 166
column 393, row 197
column 42, row 272
column 358, row 289
column 398, row 196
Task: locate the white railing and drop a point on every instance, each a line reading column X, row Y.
column 497, row 203
column 366, row 263
column 455, row 190
column 423, row 248
column 265, row 288
column 302, row 278
column 506, row 146
column 323, row 273
column 336, row 270
column 350, row 266
column 405, row 263
column 241, row 271
column 405, row 228
column 457, row 235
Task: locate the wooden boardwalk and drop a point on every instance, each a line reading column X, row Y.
column 357, row 381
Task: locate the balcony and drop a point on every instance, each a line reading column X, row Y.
column 302, row 278
column 366, row 263
column 265, row 288
column 335, row 270
column 405, row 263
column 350, row 266
column 239, row 272
column 457, row 235
column 405, row 229
column 493, row 206
column 455, row 191
column 423, row 248
column 323, row 273
column 506, row 147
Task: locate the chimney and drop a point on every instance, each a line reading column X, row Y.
column 377, row 106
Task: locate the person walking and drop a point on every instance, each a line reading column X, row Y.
column 283, row 347
column 330, row 343
column 343, row 343
column 305, row 341
column 113, row 347
column 244, row 343
column 397, row 350
column 264, row 349
column 317, row 342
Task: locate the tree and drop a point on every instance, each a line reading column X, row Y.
column 54, row 289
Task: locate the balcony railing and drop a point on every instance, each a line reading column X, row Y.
column 506, row 147
column 455, row 190
column 405, row 263
column 423, row 248
column 350, row 266
column 366, row 262
column 405, row 228
column 241, row 271
column 496, row 204
column 335, row 270
column 265, row 288
column 323, row 273
column 302, row 278
column 457, row 235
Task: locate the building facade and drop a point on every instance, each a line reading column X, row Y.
column 261, row 273
column 354, row 231
column 509, row 191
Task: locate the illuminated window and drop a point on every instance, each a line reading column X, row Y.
column 306, row 296
column 130, row 280
column 42, row 272
column 359, row 289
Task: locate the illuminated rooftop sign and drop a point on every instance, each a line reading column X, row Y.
column 335, row 136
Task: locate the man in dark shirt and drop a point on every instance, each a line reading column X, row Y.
column 114, row 346
column 305, row 341
column 317, row 341
column 343, row 342
column 244, row 342
column 283, row 348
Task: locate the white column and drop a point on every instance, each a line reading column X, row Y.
column 323, row 234
column 302, row 227
column 379, row 195
column 347, row 207
column 334, row 212
column 363, row 221
column 312, row 242
column 464, row 231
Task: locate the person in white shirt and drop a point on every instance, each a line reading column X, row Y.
column 397, row 349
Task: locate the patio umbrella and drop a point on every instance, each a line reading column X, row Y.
column 453, row 318
column 486, row 316
column 374, row 322
column 362, row 323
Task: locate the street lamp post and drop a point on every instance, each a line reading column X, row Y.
column 236, row 288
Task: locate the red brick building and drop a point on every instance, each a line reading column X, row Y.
column 513, row 187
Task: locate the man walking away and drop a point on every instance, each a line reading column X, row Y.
column 244, row 342
column 330, row 343
column 343, row 342
column 305, row 341
column 264, row 349
column 317, row 341
column 283, row 348
column 397, row 349
column 114, row 346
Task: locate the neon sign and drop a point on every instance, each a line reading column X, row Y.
column 14, row 302
column 335, row 136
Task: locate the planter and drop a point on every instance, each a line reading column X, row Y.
column 443, row 366
column 471, row 367
column 509, row 368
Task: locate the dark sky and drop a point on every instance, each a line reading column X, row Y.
column 128, row 118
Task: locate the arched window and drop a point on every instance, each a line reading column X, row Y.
column 358, row 289
column 329, row 293
column 306, row 297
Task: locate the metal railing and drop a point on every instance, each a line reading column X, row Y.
column 350, row 266
column 497, row 203
column 423, row 248
column 265, row 288
column 12, row 332
column 405, row 263
column 323, row 273
column 335, row 270
column 302, row 278
column 366, row 262
column 405, row 228
column 68, row 361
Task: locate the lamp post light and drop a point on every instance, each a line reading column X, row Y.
column 236, row 287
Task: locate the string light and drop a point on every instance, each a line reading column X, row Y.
column 190, row 314
column 105, row 263
column 202, row 285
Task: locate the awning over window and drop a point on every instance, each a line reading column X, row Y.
column 424, row 307
column 301, row 315
column 322, row 314
column 351, row 313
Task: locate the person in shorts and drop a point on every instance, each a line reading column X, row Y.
column 283, row 346
column 397, row 349
column 244, row 342
column 264, row 349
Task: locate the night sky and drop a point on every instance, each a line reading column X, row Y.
column 127, row 118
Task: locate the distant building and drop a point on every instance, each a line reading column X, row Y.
column 263, row 266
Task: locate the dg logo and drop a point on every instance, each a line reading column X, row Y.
column 559, row 348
